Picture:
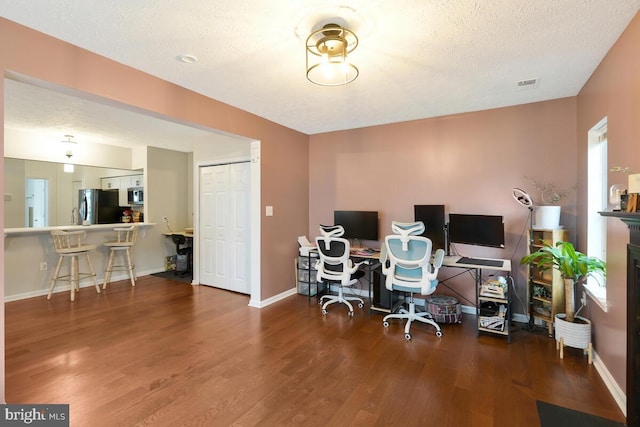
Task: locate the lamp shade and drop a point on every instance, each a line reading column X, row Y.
column 522, row 197
column 327, row 56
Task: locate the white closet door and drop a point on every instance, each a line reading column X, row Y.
column 224, row 227
column 238, row 230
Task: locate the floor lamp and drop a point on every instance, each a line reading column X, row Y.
column 524, row 199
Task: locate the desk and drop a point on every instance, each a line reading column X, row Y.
column 188, row 235
column 452, row 261
column 305, row 270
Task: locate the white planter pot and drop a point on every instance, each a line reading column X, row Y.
column 547, row 217
column 573, row 334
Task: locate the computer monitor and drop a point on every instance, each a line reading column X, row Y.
column 361, row 225
column 432, row 216
column 481, row 230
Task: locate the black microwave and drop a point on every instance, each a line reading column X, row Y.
column 135, row 195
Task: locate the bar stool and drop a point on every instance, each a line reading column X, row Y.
column 68, row 244
column 125, row 239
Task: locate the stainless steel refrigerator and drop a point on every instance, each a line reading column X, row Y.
column 97, row 206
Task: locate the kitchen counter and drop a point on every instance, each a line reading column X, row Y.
column 33, row 230
column 30, row 258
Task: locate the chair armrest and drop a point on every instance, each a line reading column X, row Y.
column 383, row 258
column 438, row 259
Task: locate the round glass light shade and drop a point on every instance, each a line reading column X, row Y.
column 332, row 73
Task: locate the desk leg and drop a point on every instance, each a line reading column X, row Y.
column 478, row 274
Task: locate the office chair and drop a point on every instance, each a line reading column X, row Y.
column 335, row 267
column 405, row 259
column 180, row 240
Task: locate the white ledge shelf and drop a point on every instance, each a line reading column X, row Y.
column 94, row 227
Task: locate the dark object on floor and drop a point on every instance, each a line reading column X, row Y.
column 557, row 416
column 172, row 275
column 184, row 252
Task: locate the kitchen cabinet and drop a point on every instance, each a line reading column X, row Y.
column 110, row 183
column 121, row 183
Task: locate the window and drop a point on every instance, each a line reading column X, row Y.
column 596, row 202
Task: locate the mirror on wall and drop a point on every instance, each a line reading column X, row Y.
column 25, row 207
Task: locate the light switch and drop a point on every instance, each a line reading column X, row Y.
column 269, row 211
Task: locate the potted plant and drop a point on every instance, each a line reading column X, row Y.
column 574, row 267
column 547, row 211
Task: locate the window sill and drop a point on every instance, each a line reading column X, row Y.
column 598, row 295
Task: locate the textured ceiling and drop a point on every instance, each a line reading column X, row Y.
column 417, row 58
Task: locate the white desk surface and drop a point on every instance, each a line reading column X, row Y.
column 451, row 261
column 182, row 233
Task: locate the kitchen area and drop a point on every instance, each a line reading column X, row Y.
column 166, row 155
column 71, row 205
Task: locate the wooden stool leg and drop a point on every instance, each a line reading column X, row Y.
column 54, row 278
column 107, row 273
column 130, row 264
column 561, row 348
column 590, row 354
column 93, row 273
column 73, row 278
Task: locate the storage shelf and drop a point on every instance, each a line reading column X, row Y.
column 495, row 331
column 306, row 283
column 494, row 310
column 543, row 300
column 546, row 319
column 494, row 299
column 550, row 280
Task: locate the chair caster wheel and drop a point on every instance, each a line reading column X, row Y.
column 385, row 324
column 438, row 333
column 407, row 337
column 324, row 311
column 351, row 314
column 360, row 305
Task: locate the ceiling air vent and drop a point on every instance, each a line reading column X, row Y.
column 527, row 84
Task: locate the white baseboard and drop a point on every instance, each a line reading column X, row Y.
column 616, row 392
column 120, row 275
column 273, row 299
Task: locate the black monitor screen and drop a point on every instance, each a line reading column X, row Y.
column 482, row 230
column 362, row 225
column 432, row 216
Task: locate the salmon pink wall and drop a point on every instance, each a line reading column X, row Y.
column 613, row 91
column 467, row 162
column 2, row 376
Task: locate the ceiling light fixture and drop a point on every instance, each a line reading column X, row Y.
column 327, row 50
column 67, row 144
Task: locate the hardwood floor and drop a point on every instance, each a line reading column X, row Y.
column 170, row 354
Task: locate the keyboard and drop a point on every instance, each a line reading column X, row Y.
column 364, row 251
column 480, row 261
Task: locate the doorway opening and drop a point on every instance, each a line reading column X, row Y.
column 36, row 209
